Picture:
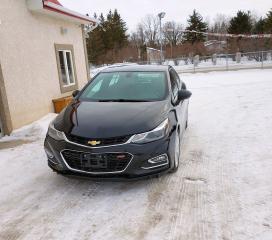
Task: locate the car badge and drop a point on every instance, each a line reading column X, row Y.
column 94, row 142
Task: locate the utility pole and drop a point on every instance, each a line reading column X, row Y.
column 171, row 30
column 161, row 15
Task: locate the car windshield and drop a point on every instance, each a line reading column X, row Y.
column 126, row 87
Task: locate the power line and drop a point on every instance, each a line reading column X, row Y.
column 229, row 35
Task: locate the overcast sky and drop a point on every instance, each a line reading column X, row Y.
column 133, row 11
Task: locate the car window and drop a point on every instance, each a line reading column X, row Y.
column 181, row 84
column 174, row 83
column 96, row 87
column 177, row 78
column 114, row 80
column 145, row 86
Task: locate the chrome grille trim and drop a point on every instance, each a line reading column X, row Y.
column 94, row 173
column 91, row 147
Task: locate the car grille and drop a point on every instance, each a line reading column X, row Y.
column 102, row 163
column 103, row 141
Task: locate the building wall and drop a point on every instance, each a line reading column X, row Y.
column 28, row 60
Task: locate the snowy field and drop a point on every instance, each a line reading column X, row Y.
column 203, row 66
column 222, row 190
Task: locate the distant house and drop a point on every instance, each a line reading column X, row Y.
column 215, row 46
column 42, row 57
column 153, row 55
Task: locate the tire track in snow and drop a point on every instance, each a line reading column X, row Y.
column 180, row 189
column 161, row 198
column 190, row 223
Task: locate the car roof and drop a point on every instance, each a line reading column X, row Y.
column 136, row 67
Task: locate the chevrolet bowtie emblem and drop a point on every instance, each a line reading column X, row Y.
column 94, row 143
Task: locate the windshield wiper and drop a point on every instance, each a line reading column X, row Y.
column 122, row 100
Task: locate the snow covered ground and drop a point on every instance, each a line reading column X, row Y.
column 222, row 189
column 204, row 66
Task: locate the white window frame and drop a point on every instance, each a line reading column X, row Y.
column 69, row 83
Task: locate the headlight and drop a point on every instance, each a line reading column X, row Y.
column 158, row 133
column 54, row 133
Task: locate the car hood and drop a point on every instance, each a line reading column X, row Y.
column 111, row 119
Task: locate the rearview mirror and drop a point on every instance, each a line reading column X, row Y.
column 183, row 94
column 75, row 93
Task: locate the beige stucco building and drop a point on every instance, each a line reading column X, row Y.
column 42, row 57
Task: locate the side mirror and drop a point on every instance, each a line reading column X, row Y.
column 75, row 93
column 183, row 94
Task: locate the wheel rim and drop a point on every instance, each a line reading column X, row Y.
column 177, row 150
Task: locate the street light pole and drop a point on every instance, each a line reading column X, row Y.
column 161, row 15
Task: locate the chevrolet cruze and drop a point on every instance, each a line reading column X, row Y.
column 127, row 122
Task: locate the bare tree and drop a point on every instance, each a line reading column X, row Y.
column 172, row 33
column 138, row 41
column 150, row 26
column 221, row 24
column 139, row 37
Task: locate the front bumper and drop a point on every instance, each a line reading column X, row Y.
column 138, row 167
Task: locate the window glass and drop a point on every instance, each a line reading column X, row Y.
column 62, row 68
column 177, row 79
column 141, row 86
column 174, row 84
column 70, row 67
column 114, row 80
column 95, row 89
column 66, row 67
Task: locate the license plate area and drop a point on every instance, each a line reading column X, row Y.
column 93, row 161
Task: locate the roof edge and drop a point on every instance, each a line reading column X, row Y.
column 62, row 10
column 55, row 9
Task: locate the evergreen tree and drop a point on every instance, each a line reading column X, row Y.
column 241, row 23
column 259, row 26
column 119, row 30
column 268, row 22
column 110, row 35
column 95, row 43
column 195, row 23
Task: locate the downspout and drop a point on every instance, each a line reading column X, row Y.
column 5, row 118
column 86, row 29
column 85, row 52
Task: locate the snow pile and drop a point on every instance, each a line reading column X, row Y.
column 32, row 131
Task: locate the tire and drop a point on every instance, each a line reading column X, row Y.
column 177, row 154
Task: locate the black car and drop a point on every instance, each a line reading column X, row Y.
column 127, row 122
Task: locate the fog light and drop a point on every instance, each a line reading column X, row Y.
column 49, row 153
column 159, row 159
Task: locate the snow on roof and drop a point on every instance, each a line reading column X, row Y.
column 56, row 9
column 152, row 49
column 212, row 42
column 54, row 1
